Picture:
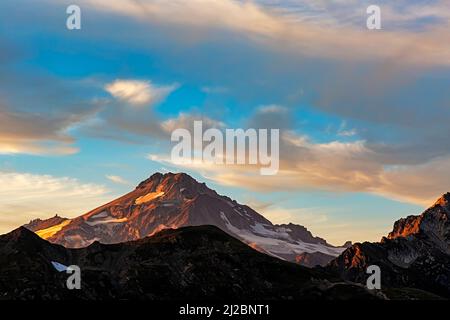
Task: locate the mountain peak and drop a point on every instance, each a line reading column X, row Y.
column 174, row 186
column 417, row 252
column 443, row 201
column 174, row 200
column 21, row 234
column 434, row 223
column 154, row 178
column 167, row 178
column 179, row 177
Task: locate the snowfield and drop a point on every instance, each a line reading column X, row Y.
column 49, row 232
column 149, row 197
column 105, row 221
column 277, row 243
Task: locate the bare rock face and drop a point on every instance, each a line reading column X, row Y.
column 177, row 200
column 347, row 244
column 313, row 259
column 39, row 224
column 434, row 224
column 415, row 254
column 299, row 232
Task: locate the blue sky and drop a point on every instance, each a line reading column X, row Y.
column 363, row 115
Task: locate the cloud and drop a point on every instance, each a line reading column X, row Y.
column 39, row 113
column 420, row 183
column 137, row 92
column 117, row 179
column 186, row 121
column 302, row 216
column 333, row 166
column 296, row 32
column 36, row 133
column 326, row 60
column 271, row 116
column 344, row 131
column 390, row 86
column 26, row 195
column 118, row 122
column 272, row 109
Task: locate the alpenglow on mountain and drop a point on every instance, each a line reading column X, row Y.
column 176, row 200
column 414, row 256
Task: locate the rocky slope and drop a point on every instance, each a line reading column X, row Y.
column 313, row 259
column 177, row 200
column 416, row 254
column 195, row 263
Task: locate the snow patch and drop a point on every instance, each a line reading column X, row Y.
column 283, row 229
column 276, row 243
column 262, row 229
column 78, row 241
column 148, row 197
column 168, row 204
column 106, row 221
column 59, row 267
column 49, row 232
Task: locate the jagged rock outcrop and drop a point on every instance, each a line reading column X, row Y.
column 416, row 254
column 313, row 259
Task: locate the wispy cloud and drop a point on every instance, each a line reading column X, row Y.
column 117, row 179
column 138, row 92
column 333, row 166
column 186, row 120
column 346, row 132
column 303, row 216
column 269, row 27
column 35, row 133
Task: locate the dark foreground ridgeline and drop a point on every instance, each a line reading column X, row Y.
column 195, row 263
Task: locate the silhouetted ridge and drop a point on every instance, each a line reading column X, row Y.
column 195, row 263
column 21, row 234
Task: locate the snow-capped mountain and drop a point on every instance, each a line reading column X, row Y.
column 175, row 200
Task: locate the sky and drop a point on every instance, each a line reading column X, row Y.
column 85, row 115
